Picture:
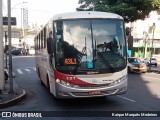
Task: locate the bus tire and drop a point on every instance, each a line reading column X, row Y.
column 38, row 73
column 42, row 82
column 40, row 77
column 129, row 69
column 55, row 98
column 48, row 86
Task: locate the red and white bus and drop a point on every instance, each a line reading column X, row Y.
column 82, row 54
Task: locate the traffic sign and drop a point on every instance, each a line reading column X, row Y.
column 13, row 21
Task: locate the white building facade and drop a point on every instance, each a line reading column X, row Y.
column 146, row 32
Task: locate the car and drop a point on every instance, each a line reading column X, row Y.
column 16, row 51
column 31, row 51
column 153, row 61
column 136, row 65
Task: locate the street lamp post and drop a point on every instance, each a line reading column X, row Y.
column 10, row 46
column 1, row 50
column 145, row 37
column 22, row 25
column 6, row 49
column 16, row 6
column 153, row 28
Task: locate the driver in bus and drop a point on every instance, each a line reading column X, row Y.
column 116, row 45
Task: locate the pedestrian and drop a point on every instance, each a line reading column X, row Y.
column 27, row 51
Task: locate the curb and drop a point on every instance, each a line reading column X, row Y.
column 13, row 101
column 157, row 71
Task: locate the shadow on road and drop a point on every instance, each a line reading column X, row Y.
column 144, row 89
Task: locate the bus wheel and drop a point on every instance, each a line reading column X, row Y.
column 38, row 73
column 42, row 82
column 57, row 99
column 129, row 70
column 48, row 86
column 40, row 77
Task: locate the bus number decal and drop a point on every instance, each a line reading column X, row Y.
column 70, row 61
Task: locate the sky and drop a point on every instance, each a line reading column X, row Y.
column 39, row 11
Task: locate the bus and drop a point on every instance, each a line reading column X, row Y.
column 82, row 54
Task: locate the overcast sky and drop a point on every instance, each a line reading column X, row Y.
column 39, row 11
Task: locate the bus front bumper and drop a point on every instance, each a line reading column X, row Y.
column 71, row 92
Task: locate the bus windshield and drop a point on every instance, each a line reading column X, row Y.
column 84, row 45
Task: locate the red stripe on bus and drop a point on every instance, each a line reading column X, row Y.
column 70, row 78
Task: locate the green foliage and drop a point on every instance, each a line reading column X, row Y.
column 131, row 10
column 156, row 3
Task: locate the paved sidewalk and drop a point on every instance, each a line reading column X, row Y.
column 154, row 69
column 8, row 99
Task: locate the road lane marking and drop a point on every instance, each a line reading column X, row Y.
column 126, row 98
column 19, row 71
column 27, row 70
column 21, row 56
column 150, row 77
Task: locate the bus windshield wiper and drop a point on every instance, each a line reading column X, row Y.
column 106, row 61
column 80, row 58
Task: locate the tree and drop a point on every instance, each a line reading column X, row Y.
column 130, row 10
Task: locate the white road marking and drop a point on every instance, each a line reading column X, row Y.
column 19, row 71
column 126, row 98
column 150, row 77
column 21, row 56
column 27, row 70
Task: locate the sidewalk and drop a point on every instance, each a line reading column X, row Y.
column 154, row 69
column 8, row 99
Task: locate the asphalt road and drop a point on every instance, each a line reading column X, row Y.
column 142, row 94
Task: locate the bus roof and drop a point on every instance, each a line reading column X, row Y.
column 86, row 14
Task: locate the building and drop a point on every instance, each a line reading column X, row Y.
column 17, row 40
column 145, row 32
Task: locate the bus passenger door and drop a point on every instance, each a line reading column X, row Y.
column 50, row 48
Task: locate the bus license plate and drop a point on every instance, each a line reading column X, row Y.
column 97, row 92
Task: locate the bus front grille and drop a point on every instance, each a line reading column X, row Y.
column 91, row 86
column 107, row 92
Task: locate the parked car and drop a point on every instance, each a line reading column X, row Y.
column 31, row 51
column 153, row 61
column 136, row 65
column 16, row 51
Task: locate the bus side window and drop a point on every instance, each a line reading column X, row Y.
column 50, row 43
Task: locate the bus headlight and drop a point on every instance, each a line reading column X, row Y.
column 58, row 80
column 119, row 80
column 65, row 83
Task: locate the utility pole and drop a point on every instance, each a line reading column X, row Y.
column 145, row 37
column 23, row 16
column 10, row 47
column 153, row 28
column 1, row 50
column 6, row 48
